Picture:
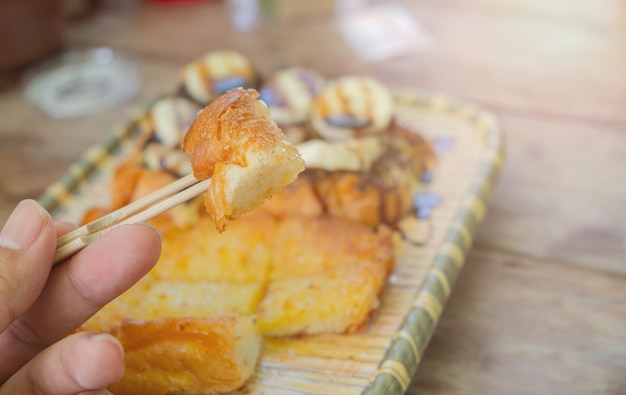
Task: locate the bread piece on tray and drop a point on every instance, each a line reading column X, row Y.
column 155, row 299
column 379, row 191
column 200, row 253
column 336, row 300
column 343, row 194
column 234, row 142
column 187, row 355
column 326, row 276
column 299, row 259
column 306, row 246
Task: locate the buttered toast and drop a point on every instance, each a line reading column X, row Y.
column 312, row 260
column 232, row 273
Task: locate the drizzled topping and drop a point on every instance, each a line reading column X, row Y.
column 271, row 96
column 171, row 117
column 352, row 107
column 158, row 157
column 216, row 73
column 347, row 121
column 289, row 94
column 424, row 204
column 223, row 85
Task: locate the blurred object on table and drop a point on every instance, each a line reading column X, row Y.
column 30, row 30
column 178, row 1
column 246, row 15
column 382, row 31
column 297, row 8
column 82, row 82
column 80, row 9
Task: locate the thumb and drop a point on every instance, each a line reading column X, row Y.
column 80, row 363
column 27, row 244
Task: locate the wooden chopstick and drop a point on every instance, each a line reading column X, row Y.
column 139, row 211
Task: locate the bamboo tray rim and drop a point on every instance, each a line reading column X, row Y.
column 409, row 343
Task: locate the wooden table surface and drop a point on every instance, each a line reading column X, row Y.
column 540, row 307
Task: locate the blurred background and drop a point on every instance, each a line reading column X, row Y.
column 553, row 73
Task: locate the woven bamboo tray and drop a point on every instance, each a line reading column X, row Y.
column 382, row 358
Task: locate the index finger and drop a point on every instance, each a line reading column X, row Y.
column 79, row 288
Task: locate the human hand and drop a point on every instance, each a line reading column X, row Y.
column 40, row 306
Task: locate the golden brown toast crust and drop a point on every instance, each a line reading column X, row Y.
column 320, row 254
column 228, row 129
column 186, row 355
column 235, row 142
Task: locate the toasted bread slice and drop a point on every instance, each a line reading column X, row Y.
column 306, row 246
column 201, row 253
column 342, row 194
column 337, row 300
column 334, row 259
column 377, row 192
column 152, row 299
column 326, row 276
column 235, row 142
column 187, row 355
column 258, row 247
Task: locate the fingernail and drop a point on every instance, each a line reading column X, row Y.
column 105, row 337
column 23, row 226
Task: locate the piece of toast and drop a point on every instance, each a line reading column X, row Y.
column 337, row 261
column 235, row 142
column 201, row 253
column 187, row 355
column 313, row 260
column 371, row 185
column 156, row 299
column 336, row 300
column 321, row 275
column 343, row 194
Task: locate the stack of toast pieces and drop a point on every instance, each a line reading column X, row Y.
column 312, row 260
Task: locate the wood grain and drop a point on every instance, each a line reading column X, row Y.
column 514, row 56
column 539, row 307
column 516, row 325
column 558, row 196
